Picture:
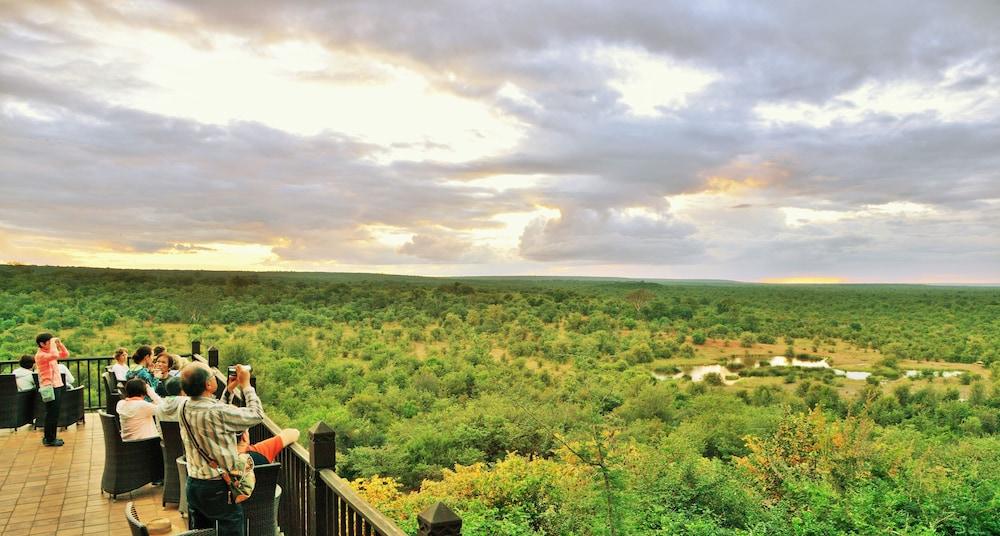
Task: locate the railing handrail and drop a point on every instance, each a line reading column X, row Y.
column 376, row 519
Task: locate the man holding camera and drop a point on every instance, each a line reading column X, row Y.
column 209, row 428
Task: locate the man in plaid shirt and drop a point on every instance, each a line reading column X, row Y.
column 215, row 425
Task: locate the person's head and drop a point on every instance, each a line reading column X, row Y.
column 173, row 386
column 197, row 379
column 135, row 387
column 165, row 360
column 157, row 350
column 141, row 355
column 27, row 361
column 42, row 340
column 121, row 355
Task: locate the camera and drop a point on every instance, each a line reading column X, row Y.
column 232, row 370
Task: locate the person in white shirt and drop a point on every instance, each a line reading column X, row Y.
column 70, row 380
column 23, row 374
column 120, row 368
column 135, row 413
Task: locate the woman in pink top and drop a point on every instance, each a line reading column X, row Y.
column 50, row 349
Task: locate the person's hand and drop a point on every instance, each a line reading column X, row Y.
column 242, row 376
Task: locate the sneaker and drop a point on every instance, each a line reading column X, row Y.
column 56, row 443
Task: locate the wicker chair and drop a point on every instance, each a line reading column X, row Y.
column 70, row 406
column 138, row 529
column 261, row 509
column 128, row 465
column 173, row 448
column 111, row 393
column 16, row 407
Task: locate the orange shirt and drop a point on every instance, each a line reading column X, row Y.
column 48, row 370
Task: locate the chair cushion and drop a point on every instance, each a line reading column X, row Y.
column 159, row 525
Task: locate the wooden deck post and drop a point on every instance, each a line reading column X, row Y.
column 195, row 347
column 213, row 357
column 438, row 520
column 322, row 455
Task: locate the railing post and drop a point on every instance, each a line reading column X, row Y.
column 213, row 357
column 438, row 520
column 195, row 347
column 322, row 455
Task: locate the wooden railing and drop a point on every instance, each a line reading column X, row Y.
column 86, row 372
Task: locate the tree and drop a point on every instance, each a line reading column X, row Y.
column 639, row 298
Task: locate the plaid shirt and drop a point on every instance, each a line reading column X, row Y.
column 215, row 424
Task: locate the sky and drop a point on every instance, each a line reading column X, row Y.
column 773, row 141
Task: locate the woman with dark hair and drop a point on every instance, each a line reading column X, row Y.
column 135, row 413
column 50, row 384
column 141, row 362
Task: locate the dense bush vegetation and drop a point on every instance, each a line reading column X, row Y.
column 529, row 405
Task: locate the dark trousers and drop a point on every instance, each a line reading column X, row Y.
column 208, row 504
column 52, row 415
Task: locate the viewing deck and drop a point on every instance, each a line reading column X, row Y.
column 57, row 491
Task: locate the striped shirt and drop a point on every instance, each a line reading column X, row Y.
column 215, row 424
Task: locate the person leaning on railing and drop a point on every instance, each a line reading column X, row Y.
column 50, row 350
column 212, row 425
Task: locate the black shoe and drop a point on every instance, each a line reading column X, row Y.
column 54, row 443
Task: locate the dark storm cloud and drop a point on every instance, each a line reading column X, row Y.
column 185, row 182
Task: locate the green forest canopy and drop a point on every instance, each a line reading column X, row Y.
column 541, row 390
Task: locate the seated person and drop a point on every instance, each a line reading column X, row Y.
column 69, row 380
column 172, row 388
column 135, row 413
column 23, row 374
column 141, row 363
column 267, row 450
column 120, row 368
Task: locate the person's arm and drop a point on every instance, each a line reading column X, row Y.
column 237, row 419
column 63, row 353
column 151, row 393
column 167, row 409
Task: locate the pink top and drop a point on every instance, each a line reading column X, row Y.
column 48, row 370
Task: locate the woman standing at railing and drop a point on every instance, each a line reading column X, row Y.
column 50, row 385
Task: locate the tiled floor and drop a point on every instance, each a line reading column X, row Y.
column 57, row 491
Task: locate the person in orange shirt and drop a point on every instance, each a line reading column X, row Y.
column 50, row 350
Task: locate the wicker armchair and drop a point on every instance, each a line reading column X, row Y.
column 111, row 393
column 16, row 407
column 70, row 408
column 138, row 529
column 173, row 448
column 261, row 509
column 128, row 465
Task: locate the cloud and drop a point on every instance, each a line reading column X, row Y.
column 627, row 237
column 666, row 134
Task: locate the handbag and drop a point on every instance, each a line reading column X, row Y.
column 47, row 392
column 240, row 479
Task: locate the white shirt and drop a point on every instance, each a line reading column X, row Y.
column 120, row 371
column 70, row 380
column 24, row 379
column 137, row 419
